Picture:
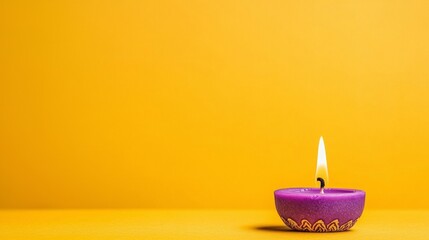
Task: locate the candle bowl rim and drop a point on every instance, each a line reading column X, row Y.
column 315, row 192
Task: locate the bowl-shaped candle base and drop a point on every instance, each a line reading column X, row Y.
column 306, row 209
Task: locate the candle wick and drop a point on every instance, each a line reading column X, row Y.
column 322, row 184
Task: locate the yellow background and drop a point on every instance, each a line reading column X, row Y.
column 198, row 104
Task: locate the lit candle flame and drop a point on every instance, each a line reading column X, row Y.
column 322, row 166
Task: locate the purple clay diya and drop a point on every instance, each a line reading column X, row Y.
column 306, row 209
column 319, row 209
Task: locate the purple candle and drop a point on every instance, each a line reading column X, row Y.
column 319, row 209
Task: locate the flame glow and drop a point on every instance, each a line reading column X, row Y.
column 322, row 166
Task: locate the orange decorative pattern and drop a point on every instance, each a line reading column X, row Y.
column 318, row 226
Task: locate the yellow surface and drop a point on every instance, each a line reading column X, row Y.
column 196, row 224
column 211, row 103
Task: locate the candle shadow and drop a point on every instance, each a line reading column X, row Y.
column 272, row 228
